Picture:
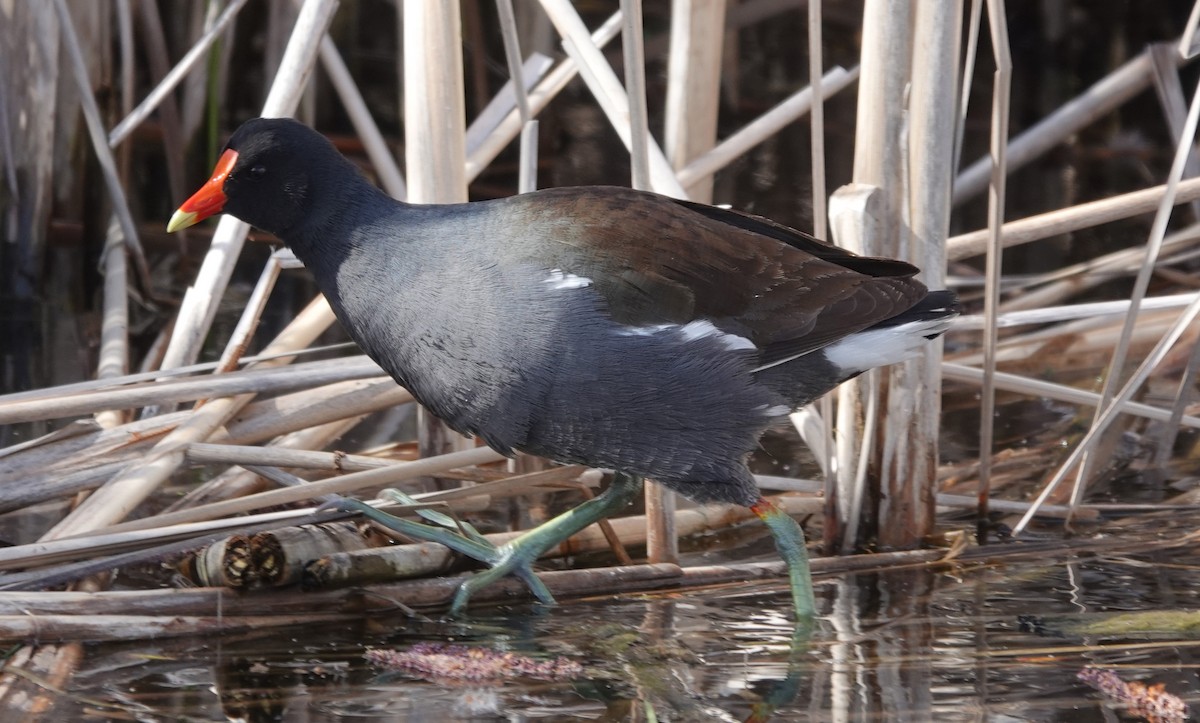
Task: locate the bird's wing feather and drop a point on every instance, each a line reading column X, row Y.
column 786, row 291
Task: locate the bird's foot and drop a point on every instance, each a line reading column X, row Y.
column 515, row 558
column 511, row 559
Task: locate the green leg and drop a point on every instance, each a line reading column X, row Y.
column 518, row 556
column 515, row 558
column 789, row 539
column 474, row 548
column 467, row 542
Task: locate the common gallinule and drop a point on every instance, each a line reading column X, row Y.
column 594, row 325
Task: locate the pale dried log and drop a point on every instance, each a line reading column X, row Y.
column 53, row 628
column 270, row 558
column 224, row 563
column 280, row 556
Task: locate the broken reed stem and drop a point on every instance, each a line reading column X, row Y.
column 238, row 482
column 1101, row 98
column 661, row 536
column 92, row 385
column 155, row 47
column 239, row 340
column 197, row 53
column 121, row 494
column 539, row 97
column 202, row 453
column 607, row 90
column 1071, row 312
column 53, row 552
column 1112, row 410
column 997, row 186
column 816, row 73
column 104, row 156
column 764, row 127
column 336, row 485
column 489, row 121
column 82, row 444
column 1073, row 218
column 114, row 331
column 527, row 179
column 199, row 306
column 968, row 75
column 466, row 499
column 354, row 603
column 1158, row 230
column 1183, row 397
column 1062, row 393
column 310, row 408
column 142, row 627
column 376, row 147
column 1084, row 336
column 258, row 380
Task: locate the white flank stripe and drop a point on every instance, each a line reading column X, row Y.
column 558, row 279
column 703, row 327
column 692, row 331
column 645, row 330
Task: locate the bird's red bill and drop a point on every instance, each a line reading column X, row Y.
column 210, row 199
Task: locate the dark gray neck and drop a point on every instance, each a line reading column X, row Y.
column 330, row 230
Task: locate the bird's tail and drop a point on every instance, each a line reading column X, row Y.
column 893, row 340
column 941, row 305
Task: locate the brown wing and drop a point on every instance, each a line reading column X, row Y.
column 657, row 260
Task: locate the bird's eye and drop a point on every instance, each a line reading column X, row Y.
column 258, row 171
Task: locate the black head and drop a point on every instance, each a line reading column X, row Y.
column 275, row 173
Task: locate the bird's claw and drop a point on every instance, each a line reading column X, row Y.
column 462, row 537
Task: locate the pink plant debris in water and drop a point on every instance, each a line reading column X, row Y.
column 1151, row 702
column 463, row 662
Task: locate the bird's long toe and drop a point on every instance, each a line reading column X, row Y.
column 514, row 561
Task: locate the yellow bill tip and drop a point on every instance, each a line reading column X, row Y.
column 181, row 219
